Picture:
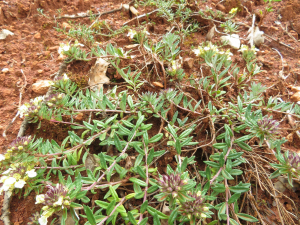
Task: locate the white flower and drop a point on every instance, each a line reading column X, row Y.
column 63, row 48
column 2, row 157
column 37, row 100
column 65, row 77
column 23, row 109
column 206, row 48
column 40, row 199
column 131, row 33
column 43, row 220
column 3, row 178
column 7, row 171
column 76, row 43
column 8, row 183
column 20, row 183
column 197, row 51
column 59, row 202
column 31, row 173
column 243, row 48
column 146, row 32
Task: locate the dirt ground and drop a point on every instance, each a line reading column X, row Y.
column 33, row 49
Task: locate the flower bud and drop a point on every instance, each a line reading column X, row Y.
column 20, row 147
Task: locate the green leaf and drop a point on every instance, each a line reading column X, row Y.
column 246, row 217
column 131, row 218
column 173, row 216
column 153, row 211
column 234, row 197
column 150, row 156
column 156, row 220
column 141, row 172
column 178, row 146
column 233, row 222
column 219, row 188
column 220, row 145
column 144, row 221
column 89, row 214
column 117, row 142
column 114, row 193
column 226, row 175
column 138, row 181
column 213, row 222
column 110, row 207
column 156, row 138
column 244, row 146
column 144, row 206
column 240, row 188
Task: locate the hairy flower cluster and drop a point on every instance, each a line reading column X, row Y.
column 31, row 109
column 266, row 128
column 293, row 160
column 55, row 199
column 201, row 51
column 54, row 99
column 16, row 177
column 172, row 185
column 175, row 66
column 19, row 144
column 194, row 209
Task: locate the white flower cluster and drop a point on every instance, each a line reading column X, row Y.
column 132, row 33
column 55, row 199
column 175, row 65
column 246, row 48
column 23, row 110
column 201, row 51
column 63, row 48
column 66, row 47
column 13, row 178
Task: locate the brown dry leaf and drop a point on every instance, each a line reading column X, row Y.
column 158, row 84
column 97, row 74
column 91, row 162
column 210, row 33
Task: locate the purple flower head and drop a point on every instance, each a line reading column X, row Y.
column 20, row 143
column 294, row 161
column 56, row 196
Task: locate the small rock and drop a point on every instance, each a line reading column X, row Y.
column 37, row 35
column 79, row 117
column 232, row 40
column 40, row 71
column 188, row 63
column 5, row 70
column 41, row 86
column 295, row 97
column 4, row 33
column 66, row 25
column 54, row 48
